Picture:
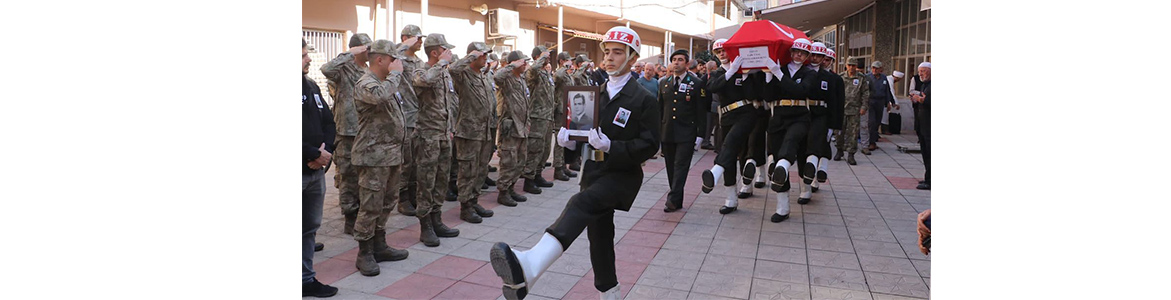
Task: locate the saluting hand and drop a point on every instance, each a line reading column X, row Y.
column 396, row 65
column 359, row 49
column 411, row 41
column 446, row 55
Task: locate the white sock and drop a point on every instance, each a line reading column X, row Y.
column 783, row 203
column 823, row 165
column 815, row 184
column 717, row 172
column 806, row 191
column 535, row 261
column 731, row 201
column 615, row 293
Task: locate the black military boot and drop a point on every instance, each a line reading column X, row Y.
column 426, row 232
column 365, row 261
column 480, row 210
column 515, row 196
column 850, row 160
column 491, row 169
column 489, row 181
column 440, row 229
column 560, row 174
column 451, row 193
column 531, row 187
column 504, row 198
column 384, row 252
column 570, row 173
column 406, row 203
column 468, row 214
column 541, row 182
column 838, row 156
column 349, row 227
column 576, row 166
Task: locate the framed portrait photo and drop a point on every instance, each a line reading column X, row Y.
column 582, row 111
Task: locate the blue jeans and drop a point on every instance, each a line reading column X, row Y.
column 312, row 202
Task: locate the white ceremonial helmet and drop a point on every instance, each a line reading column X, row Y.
column 817, row 48
column 802, row 44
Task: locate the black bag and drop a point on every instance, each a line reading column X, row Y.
column 894, row 123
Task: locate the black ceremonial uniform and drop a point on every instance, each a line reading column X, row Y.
column 631, row 121
column 684, row 102
column 821, row 93
column 789, row 123
column 737, row 118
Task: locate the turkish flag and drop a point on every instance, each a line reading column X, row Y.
column 759, row 38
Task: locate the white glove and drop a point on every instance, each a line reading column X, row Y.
column 830, row 136
column 563, row 139
column 732, row 68
column 773, row 69
column 599, row 140
column 698, row 141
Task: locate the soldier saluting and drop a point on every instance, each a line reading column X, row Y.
column 627, row 136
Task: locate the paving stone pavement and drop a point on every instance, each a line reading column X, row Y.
column 855, row 240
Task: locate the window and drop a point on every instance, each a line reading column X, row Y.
column 913, row 35
column 858, row 36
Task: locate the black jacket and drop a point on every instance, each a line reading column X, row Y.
column 791, row 87
column 837, row 100
column 317, row 124
column 631, row 144
column 684, row 112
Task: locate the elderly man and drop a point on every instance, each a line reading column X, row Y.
column 880, row 96
column 921, row 94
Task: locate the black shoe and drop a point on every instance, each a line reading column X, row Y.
column 541, row 182
column 851, row 160
column 726, row 210
column 670, row 207
column 317, row 289
column 484, row 186
column 548, row 164
column 924, row 186
column 780, row 182
column 559, row 174
column 744, row 195
column 317, row 247
column 759, row 185
column 709, row 181
column 803, row 201
column 508, row 267
column 480, row 210
column 922, row 181
column 808, row 173
column 707, row 146
column 838, row 157
column 576, row 166
column 571, row 174
column 531, row 187
column 822, row 176
column 748, row 172
column 489, row 181
column 491, row 169
column 776, row 218
column 451, row 195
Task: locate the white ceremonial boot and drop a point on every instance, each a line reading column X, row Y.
column 520, row 269
column 782, row 208
column 730, row 202
column 822, row 169
column 745, row 191
column 806, row 193
column 748, row 171
column 710, row 176
column 615, row 293
column 810, row 169
column 761, row 177
column 781, row 176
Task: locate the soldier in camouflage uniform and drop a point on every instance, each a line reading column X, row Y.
column 377, row 156
column 513, row 128
column 493, row 63
column 540, row 83
column 408, row 186
column 436, row 93
column 343, row 73
column 857, row 92
column 472, row 139
column 561, row 80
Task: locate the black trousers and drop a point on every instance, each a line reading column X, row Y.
column 787, row 136
column 923, row 118
column 875, row 119
column 593, row 207
column 755, row 145
column 815, row 141
column 678, row 161
column 737, row 127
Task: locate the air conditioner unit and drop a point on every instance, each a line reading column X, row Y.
column 503, row 22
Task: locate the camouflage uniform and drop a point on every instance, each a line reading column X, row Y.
column 857, row 93
column 408, row 186
column 377, row 152
column 513, row 126
column 561, row 80
column 472, row 139
column 540, row 83
column 436, row 93
column 343, row 74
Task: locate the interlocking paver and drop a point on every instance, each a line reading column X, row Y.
column 855, row 240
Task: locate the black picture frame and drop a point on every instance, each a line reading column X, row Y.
column 591, row 107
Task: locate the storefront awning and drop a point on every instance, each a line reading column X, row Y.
column 814, row 14
column 573, row 33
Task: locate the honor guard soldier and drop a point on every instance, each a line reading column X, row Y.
column 816, row 148
column 787, row 88
column 540, row 84
column 625, row 138
column 737, row 118
column 343, row 73
column 857, row 91
column 513, row 129
column 562, row 79
column 377, row 156
column 436, row 92
column 837, row 98
column 412, row 40
column 473, row 142
column 683, row 99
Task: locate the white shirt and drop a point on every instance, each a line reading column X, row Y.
column 616, row 83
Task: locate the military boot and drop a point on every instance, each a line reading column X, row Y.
column 365, row 261
column 576, row 165
column 384, row 252
column 541, row 182
column 452, row 195
column 505, row 199
column 850, row 160
column 570, row 173
column 406, row 203
column 531, row 187
column 426, row 233
column 838, row 156
column 560, row 174
column 489, row 181
column 349, row 227
column 440, row 229
column 480, row 210
column 467, row 213
column 515, row 196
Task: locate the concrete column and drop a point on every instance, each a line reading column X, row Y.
column 560, row 28
column 884, row 33
column 423, row 15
